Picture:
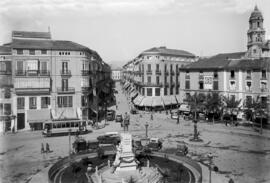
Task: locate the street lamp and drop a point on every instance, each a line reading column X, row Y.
column 146, row 129
column 69, row 144
column 210, row 157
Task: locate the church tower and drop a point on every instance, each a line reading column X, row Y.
column 256, row 34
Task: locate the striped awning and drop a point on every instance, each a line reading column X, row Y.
column 133, row 94
column 169, row 100
column 157, row 101
column 138, row 100
column 147, row 102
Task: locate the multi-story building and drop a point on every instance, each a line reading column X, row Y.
column 154, row 74
column 243, row 75
column 116, row 74
column 6, row 87
column 55, row 80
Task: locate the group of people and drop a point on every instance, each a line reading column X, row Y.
column 47, row 150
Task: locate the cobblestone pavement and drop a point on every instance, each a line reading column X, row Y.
column 239, row 152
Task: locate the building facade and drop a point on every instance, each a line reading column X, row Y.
column 55, row 80
column 155, row 76
column 243, row 75
column 116, row 74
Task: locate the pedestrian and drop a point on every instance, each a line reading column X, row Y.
column 116, row 107
column 47, row 148
column 152, row 116
column 42, row 148
column 126, row 121
column 177, row 118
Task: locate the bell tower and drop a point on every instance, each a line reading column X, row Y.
column 256, row 34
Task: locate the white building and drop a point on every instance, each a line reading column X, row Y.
column 116, row 74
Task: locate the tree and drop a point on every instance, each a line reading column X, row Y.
column 231, row 106
column 213, row 104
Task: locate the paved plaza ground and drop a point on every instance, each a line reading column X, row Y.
column 239, row 152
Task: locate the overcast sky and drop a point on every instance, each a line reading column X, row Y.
column 120, row 29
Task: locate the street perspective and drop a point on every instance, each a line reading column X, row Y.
column 146, row 91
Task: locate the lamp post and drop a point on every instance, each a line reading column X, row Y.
column 210, row 157
column 146, row 129
column 69, row 143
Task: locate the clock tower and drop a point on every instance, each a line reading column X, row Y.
column 256, row 34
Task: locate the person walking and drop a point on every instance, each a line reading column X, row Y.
column 126, row 121
column 47, row 148
column 42, row 148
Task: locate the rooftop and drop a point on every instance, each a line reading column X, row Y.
column 165, row 51
column 219, row 61
column 5, row 50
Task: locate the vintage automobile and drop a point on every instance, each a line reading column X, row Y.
column 174, row 115
column 79, row 145
column 184, row 109
column 182, row 150
column 152, row 144
column 106, row 150
column 110, row 115
column 119, row 118
column 109, row 138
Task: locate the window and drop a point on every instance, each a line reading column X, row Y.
column 19, row 51
column 165, row 67
column 264, row 74
column 201, row 85
column 3, row 66
column 20, row 66
column 165, row 91
column 43, row 68
column 31, row 52
column 84, row 101
column 177, row 90
column 171, row 66
column 215, row 85
column 232, row 85
column 187, row 84
column 148, row 67
column 171, row 90
column 32, row 102
column 20, row 103
column 215, row 74
column 32, row 66
column 65, row 101
column 143, row 79
column 248, row 74
column 143, row 91
column 157, row 79
column 149, row 91
column 232, row 74
column 7, row 93
column 248, row 85
column 157, row 91
column 248, row 100
column 65, row 67
column 64, row 84
column 45, row 102
column 149, row 79
column 157, row 67
column 142, row 68
column 43, row 52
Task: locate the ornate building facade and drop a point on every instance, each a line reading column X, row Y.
column 55, row 80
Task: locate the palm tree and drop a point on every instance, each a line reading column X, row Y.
column 196, row 102
column 213, row 104
column 231, row 106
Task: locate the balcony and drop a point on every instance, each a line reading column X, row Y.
column 166, row 72
column 5, row 72
column 32, row 85
column 65, row 72
column 248, row 78
column 172, row 72
column 149, row 72
column 32, row 73
column 178, row 83
column 62, row 90
column 85, row 72
column 177, row 73
column 158, row 72
column 248, row 89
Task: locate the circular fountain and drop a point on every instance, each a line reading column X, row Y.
column 126, row 167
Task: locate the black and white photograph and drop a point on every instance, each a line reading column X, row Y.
column 134, row 91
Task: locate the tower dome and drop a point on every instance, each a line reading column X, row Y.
column 256, row 14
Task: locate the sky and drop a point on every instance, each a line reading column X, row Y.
column 119, row 30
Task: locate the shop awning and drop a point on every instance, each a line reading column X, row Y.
column 38, row 116
column 147, row 102
column 67, row 113
column 126, row 85
column 178, row 98
column 138, row 100
column 169, row 100
column 157, row 101
column 133, row 94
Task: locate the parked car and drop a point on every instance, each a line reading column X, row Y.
column 109, row 138
column 153, row 144
column 184, row 109
column 119, row 118
column 110, row 116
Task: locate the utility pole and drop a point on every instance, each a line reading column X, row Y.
column 69, row 143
